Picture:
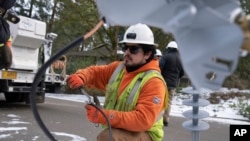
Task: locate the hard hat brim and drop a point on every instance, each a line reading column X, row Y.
column 172, row 47
column 138, row 42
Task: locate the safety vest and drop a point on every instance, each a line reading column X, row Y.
column 128, row 99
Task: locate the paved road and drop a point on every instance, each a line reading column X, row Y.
column 67, row 120
column 64, row 118
column 175, row 131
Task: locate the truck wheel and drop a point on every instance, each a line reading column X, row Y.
column 57, row 89
column 14, row 97
column 40, row 98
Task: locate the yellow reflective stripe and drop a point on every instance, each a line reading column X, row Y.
column 117, row 70
column 159, row 116
column 136, row 86
column 10, row 39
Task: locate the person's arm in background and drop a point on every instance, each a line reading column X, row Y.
column 162, row 62
column 180, row 66
column 181, row 72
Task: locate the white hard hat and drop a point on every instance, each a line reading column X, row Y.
column 158, row 53
column 139, row 34
column 172, row 44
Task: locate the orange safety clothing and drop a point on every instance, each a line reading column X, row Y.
column 146, row 111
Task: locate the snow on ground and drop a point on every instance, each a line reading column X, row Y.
column 16, row 120
column 222, row 112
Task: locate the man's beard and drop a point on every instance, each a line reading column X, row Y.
column 132, row 67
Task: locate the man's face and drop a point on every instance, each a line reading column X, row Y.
column 134, row 55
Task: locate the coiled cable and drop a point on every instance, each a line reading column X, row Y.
column 42, row 70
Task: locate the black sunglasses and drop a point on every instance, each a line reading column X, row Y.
column 132, row 49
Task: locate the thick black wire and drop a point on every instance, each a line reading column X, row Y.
column 37, row 79
column 106, row 118
column 36, row 82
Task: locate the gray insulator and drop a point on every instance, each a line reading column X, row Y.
column 195, row 125
column 189, row 114
column 201, row 126
column 201, row 102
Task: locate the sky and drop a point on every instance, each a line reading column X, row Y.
column 222, row 112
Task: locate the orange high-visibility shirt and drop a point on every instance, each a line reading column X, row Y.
column 146, row 111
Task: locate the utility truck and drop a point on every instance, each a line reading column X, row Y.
column 29, row 38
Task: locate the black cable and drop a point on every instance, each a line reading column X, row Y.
column 106, row 118
column 98, row 106
column 40, row 73
column 37, row 79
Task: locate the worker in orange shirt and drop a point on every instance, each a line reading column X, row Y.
column 135, row 92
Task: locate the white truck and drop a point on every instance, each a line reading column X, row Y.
column 29, row 36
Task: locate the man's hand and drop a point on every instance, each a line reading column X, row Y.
column 74, row 81
column 94, row 115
